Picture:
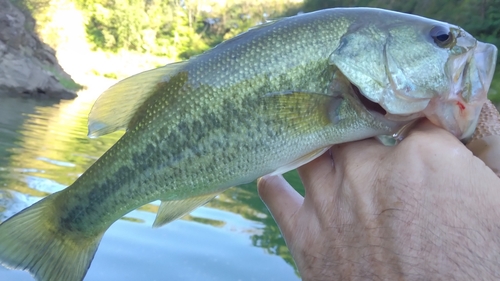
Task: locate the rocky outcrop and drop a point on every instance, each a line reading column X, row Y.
column 28, row 67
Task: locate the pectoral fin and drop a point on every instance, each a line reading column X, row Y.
column 114, row 109
column 174, row 209
column 302, row 109
column 307, row 112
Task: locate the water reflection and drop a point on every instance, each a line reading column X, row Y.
column 44, row 148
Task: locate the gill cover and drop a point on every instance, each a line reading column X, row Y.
column 416, row 69
column 373, row 61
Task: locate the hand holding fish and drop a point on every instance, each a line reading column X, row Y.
column 418, row 209
column 269, row 101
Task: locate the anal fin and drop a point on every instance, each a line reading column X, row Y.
column 174, row 209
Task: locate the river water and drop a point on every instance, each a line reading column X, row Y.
column 44, row 148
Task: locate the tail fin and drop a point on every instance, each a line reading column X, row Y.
column 31, row 241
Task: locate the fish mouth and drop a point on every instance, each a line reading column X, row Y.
column 380, row 113
column 394, row 125
column 458, row 112
column 369, row 105
column 341, row 86
column 457, row 109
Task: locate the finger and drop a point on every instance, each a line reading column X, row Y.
column 425, row 128
column 358, row 153
column 321, row 175
column 425, row 125
column 317, row 172
column 281, row 199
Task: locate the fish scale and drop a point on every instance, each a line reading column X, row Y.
column 267, row 101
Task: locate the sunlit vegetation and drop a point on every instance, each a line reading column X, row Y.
column 494, row 93
column 179, row 29
column 173, row 28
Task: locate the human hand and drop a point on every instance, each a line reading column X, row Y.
column 485, row 142
column 425, row 209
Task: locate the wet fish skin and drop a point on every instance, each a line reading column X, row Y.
column 263, row 102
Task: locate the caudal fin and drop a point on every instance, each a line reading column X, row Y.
column 31, row 241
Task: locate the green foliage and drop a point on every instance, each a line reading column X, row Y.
column 494, row 93
column 113, row 26
column 111, row 75
column 178, row 29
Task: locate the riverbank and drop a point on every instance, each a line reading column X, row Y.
column 28, row 66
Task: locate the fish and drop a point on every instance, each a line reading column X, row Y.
column 264, row 102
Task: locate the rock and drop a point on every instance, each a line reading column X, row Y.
column 28, row 67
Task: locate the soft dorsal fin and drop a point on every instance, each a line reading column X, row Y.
column 174, row 209
column 117, row 105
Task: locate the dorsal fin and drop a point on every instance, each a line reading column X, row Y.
column 117, row 105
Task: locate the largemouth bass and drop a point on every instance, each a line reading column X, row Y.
column 266, row 101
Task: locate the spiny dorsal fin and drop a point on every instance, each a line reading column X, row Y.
column 174, row 209
column 117, row 105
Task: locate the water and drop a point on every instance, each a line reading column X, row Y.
column 44, row 148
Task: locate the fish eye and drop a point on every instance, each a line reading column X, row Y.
column 442, row 36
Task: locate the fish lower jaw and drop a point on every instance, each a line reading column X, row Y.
column 454, row 115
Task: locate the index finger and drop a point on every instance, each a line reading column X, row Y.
column 323, row 176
